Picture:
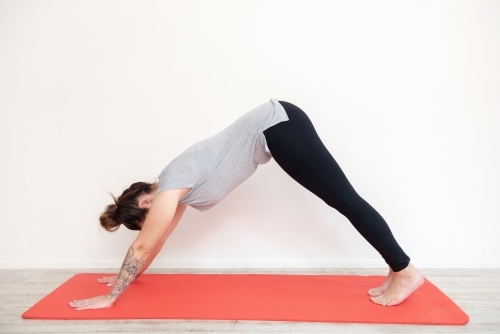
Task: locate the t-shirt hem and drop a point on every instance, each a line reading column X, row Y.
column 280, row 116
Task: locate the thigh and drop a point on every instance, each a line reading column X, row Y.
column 298, row 150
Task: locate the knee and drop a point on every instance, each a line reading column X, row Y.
column 347, row 203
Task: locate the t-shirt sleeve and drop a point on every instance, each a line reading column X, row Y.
column 179, row 173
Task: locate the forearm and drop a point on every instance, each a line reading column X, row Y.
column 177, row 217
column 134, row 261
column 150, row 259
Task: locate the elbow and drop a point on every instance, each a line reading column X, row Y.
column 141, row 252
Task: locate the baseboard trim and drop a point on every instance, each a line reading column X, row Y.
column 193, row 264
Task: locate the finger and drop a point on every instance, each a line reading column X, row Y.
column 105, row 279
column 88, row 306
column 74, row 303
column 84, row 306
column 77, row 303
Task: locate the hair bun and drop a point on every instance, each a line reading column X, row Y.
column 108, row 218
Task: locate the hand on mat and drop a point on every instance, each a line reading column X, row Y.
column 110, row 280
column 92, row 303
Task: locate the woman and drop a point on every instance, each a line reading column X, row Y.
column 207, row 171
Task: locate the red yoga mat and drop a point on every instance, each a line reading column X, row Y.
column 265, row 297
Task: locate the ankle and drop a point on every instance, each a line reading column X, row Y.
column 410, row 270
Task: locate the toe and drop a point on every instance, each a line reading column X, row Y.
column 374, row 292
column 385, row 302
column 376, row 300
column 393, row 302
column 381, row 300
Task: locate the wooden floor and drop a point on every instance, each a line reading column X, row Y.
column 476, row 291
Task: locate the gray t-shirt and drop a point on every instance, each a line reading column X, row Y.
column 213, row 167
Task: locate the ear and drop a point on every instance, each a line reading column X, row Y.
column 145, row 202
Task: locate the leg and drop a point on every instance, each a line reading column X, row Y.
column 297, row 148
column 299, row 151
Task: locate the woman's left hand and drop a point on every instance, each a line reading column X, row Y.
column 110, row 280
column 92, row 303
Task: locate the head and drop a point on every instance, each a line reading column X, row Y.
column 130, row 208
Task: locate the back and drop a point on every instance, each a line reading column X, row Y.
column 213, row 167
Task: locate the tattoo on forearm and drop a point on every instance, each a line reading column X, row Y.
column 128, row 273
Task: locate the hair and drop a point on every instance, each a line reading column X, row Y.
column 125, row 209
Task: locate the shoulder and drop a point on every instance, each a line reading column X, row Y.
column 171, row 195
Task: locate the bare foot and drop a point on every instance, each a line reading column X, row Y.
column 381, row 289
column 403, row 284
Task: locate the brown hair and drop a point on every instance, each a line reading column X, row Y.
column 125, row 209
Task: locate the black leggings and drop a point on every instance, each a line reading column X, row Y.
column 299, row 151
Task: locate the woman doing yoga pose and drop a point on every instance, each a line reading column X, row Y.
column 207, row 171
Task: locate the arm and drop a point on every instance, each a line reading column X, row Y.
column 157, row 223
column 179, row 212
column 181, row 208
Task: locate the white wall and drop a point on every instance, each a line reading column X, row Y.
column 97, row 95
